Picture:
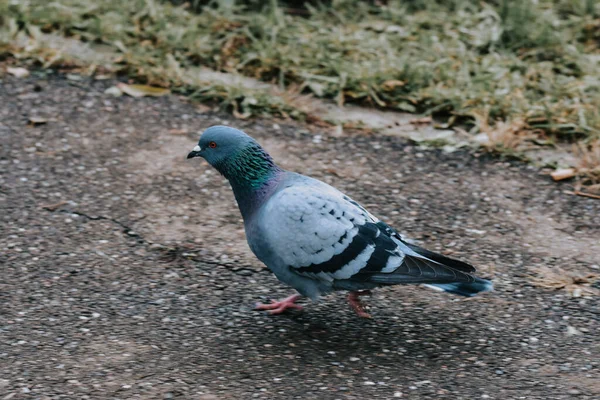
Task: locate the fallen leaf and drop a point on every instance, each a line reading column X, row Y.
column 561, row 279
column 201, row 108
column 142, row 90
column 35, row 121
column 18, row 72
column 565, row 173
column 55, row 206
column 333, row 172
column 178, row 131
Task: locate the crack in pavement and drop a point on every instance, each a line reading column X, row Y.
column 179, row 251
column 126, row 229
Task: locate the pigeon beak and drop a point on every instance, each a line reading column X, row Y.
column 194, row 153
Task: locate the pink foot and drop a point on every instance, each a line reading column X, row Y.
column 277, row 307
column 354, row 301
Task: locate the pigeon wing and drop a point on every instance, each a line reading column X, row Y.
column 320, row 233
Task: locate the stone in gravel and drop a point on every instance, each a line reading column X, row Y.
column 571, row 331
column 19, row 72
column 113, row 91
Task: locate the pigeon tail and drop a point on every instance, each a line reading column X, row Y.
column 468, row 289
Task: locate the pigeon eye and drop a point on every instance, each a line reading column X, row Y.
column 212, row 145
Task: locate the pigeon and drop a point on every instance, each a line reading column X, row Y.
column 315, row 238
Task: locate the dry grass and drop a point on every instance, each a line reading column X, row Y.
column 504, row 135
column 528, row 62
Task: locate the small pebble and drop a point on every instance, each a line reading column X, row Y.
column 571, row 331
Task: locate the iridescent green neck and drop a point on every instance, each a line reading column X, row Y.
column 253, row 176
column 250, row 168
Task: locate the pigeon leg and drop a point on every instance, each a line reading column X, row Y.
column 277, row 307
column 354, row 301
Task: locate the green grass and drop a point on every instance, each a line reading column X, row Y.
column 464, row 61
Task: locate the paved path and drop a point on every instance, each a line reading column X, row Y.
column 125, row 273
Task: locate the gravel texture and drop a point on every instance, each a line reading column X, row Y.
column 125, row 272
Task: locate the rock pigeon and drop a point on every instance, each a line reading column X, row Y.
column 315, row 238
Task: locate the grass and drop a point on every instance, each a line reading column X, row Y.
column 507, row 69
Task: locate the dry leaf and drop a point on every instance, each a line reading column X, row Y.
column 201, row 108
column 573, row 282
column 55, row 206
column 18, row 72
column 35, row 121
column 565, row 173
column 333, row 172
column 142, row 90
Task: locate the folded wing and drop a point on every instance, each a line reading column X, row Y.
column 320, row 233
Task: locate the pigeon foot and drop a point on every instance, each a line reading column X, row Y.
column 354, row 301
column 278, row 307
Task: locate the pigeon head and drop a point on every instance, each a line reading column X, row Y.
column 218, row 144
column 235, row 155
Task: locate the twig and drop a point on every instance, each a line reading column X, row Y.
column 584, row 194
